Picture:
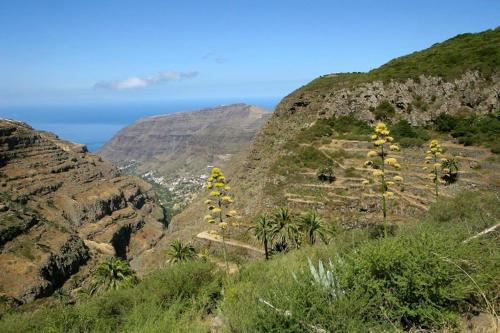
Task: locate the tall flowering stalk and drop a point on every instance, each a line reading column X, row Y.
column 218, row 204
column 434, row 153
column 379, row 160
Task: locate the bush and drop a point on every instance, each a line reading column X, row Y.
column 384, row 111
column 322, row 128
column 408, row 281
column 408, row 135
column 472, row 129
column 445, row 123
column 172, row 300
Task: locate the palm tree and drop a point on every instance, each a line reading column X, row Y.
column 284, row 228
column 179, row 251
column 112, row 274
column 262, row 230
column 311, row 225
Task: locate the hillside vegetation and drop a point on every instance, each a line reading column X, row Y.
column 449, row 60
column 321, row 124
column 424, row 277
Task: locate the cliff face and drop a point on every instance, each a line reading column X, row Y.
column 61, row 209
column 185, row 143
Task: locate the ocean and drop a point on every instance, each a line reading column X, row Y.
column 94, row 125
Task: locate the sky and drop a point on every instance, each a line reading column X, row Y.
column 105, row 51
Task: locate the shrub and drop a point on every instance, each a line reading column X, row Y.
column 408, row 135
column 384, row 111
column 445, row 123
column 409, row 281
column 472, row 129
column 310, row 157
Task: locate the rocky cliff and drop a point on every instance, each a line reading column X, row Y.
column 61, row 209
column 186, row 142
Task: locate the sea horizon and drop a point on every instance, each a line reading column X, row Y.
column 95, row 124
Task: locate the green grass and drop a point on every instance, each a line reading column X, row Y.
column 176, row 299
column 422, row 278
column 449, row 59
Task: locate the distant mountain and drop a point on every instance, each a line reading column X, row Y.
column 186, row 142
column 164, row 148
column 61, row 209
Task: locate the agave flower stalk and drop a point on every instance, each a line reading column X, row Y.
column 432, row 155
column 219, row 202
column 379, row 160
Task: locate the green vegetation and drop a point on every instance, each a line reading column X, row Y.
column 428, row 276
column 472, row 129
column 425, row 277
column 263, row 232
column 448, row 59
column 326, row 174
column 170, row 300
column 112, row 274
column 408, row 135
column 178, row 252
column 450, row 170
column 311, row 227
column 384, row 111
column 344, row 127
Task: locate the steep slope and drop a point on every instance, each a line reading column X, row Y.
column 61, row 209
column 457, row 77
column 174, row 150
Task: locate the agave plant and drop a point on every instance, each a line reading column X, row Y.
column 111, row 274
column 326, row 277
column 449, row 166
column 179, row 251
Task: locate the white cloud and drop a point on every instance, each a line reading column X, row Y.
column 137, row 82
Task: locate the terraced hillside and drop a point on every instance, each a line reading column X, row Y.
column 353, row 204
column 281, row 164
column 61, row 210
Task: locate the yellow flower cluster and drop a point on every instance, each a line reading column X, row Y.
column 219, row 199
column 432, row 155
column 378, row 159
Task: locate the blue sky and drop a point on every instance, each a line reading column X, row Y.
column 105, row 51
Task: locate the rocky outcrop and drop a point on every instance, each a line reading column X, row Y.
column 416, row 100
column 55, row 198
